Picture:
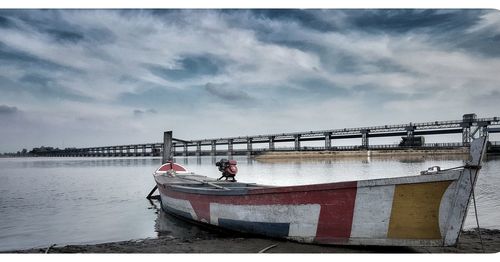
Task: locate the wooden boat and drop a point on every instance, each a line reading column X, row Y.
column 428, row 209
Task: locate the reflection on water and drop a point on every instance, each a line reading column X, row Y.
column 45, row 201
column 167, row 225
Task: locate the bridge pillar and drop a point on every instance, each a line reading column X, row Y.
column 185, row 149
column 153, row 149
column 271, row 143
column 143, row 150
column 249, row 146
column 229, row 147
column 214, row 148
column 135, row 150
column 198, row 148
column 328, row 140
column 483, row 128
column 410, row 134
column 297, row 142
column 364, row 138
column 466, row 125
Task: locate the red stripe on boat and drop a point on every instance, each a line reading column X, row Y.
column 335, row 219
column 336, row 200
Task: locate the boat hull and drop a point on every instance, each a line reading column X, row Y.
column 395, row 211
column 423, row 210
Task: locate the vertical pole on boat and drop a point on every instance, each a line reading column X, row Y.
column 167, row 156
column 167, row 147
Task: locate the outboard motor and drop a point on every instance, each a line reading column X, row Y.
column 228, row 169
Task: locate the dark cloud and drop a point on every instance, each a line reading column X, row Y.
column 5, row 22
column 48, row 87
column 28, row 62
column 65, row 36
column 317, row 88
column 189, row 67
column 140, row 113
column 162, row 97
column 8, row 110
column 307, row 18
column 407, row 20
column 227, row 94
column 443, row 27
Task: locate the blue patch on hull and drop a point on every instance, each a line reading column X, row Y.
column 261, row 228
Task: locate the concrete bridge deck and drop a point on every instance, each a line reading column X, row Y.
column 467, row 126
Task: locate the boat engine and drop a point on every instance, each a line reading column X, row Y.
column 228, row 169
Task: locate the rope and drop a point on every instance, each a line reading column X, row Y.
column 47, row 250
column 452, row 168
column 267, row 248
column 475, row 213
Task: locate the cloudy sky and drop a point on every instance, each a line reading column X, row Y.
column 106, row 77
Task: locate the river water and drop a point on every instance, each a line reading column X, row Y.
column 45, row 201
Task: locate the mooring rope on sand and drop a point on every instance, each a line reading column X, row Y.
column 47, row 250
column 267, row 248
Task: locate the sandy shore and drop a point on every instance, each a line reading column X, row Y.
column 469, row 243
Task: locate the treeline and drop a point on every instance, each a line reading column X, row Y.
column 23, row 152
column 37, row 151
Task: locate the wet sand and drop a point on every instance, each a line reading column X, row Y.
column 468, row 243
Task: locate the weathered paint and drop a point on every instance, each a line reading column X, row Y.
column 367, row 212
column 464, row 187
column 333, row 218
column 415, row 210
column 372, row 211
column 183, row 207
column 302, row 219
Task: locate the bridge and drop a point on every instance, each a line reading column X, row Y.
column 410, row 133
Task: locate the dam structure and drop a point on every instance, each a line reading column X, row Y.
column 411, row 138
